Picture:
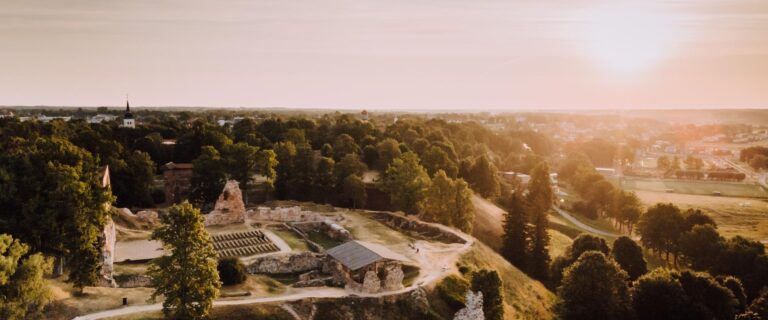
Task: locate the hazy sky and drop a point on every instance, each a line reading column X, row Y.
column 416, row 54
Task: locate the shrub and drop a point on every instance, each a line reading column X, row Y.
column 231, row 271
column 452, row 290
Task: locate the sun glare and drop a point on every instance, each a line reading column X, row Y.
column 628, row 39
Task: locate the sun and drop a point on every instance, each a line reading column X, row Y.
column 628, row 39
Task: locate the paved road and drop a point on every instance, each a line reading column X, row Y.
column 434, row 261
column 581, row 225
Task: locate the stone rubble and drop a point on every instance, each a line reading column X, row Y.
column 473, row 309
column 148, row 216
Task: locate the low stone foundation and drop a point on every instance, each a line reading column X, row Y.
column 133, row 281
column 287, row 263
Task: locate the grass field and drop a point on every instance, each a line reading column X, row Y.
column 734, row 216
column 726, row 189
column 291, row 238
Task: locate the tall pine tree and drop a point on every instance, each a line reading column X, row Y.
column 516, row 232
column 540, row 198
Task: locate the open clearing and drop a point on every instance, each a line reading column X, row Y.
column 726, row 189
column 734, row 216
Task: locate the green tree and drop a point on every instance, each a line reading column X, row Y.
column 266, row 163
column 388, row 150
column 353, row 190
column 208, row 175
column 659, row 296
column 53, row 199
column 660, row 228
column 406, row 182
column 285, row 152
column 231, row 271
column 482, row 178
column 449, row 202
column 133, row 182
column 242, row 164
column 304, row 165
column 629, row 256
column 464, row 210
column 624, row 208
column 344, row 144
column 709, row 299
column 489, row 283
column 583, row 243
column 540, row 199
column 701, row 247
column 594, row 287
column 326, row 150
column 436, row 159
column 23, row 288
column 349, row 165
column 516, row 232
column 600, row 196
column 187, row 278
column 696, row 217
column 439, row 200
column 324, row 181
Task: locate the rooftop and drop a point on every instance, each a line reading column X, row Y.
column 357, row 254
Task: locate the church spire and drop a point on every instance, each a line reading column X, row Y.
column 128, row 120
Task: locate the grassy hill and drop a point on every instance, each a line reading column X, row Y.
column 524, row 298
column 489, row 220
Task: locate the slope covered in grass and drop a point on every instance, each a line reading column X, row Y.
column 489, row 222
column 524, row 298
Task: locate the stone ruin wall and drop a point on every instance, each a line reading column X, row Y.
column 416, row 228
column 290, row 214
column 108, row 239
column 229, row 207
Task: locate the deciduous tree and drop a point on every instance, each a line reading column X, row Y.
column 594, row 287
column 406, row 182
column 23, row 288
column 187, row 278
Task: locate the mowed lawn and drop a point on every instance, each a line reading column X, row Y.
column 726, row 189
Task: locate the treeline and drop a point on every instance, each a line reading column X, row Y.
column 710, row 175
column 600, row 197
column 692, row 240
column 598, row 282
column 727, row 277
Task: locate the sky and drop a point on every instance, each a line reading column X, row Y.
column 477, row 55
